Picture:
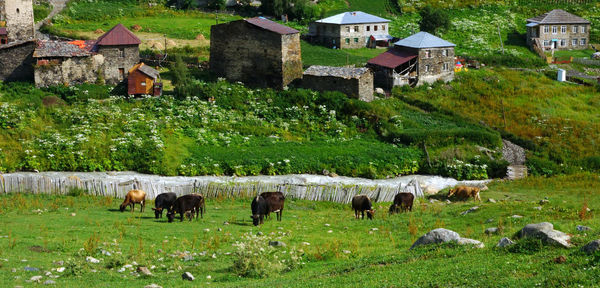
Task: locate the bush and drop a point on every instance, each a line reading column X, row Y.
column 254, row 257
column 433, row 19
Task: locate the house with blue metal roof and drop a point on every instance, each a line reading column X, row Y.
column 414, row 60
column 350, row 30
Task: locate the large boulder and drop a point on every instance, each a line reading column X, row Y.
column 591, row 247
column 545, row 232
column 435, row 236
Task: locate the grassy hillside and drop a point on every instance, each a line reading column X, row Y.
column 334, row 249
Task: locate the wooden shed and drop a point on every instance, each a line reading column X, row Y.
column 143, row 79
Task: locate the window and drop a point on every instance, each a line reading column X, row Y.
column 383, row 27
column 368, row 28
column 563, row 42
column 546, row 43
column 582, row 29
column 574, row 28
column 582, row 42
column 554, row 30
column 143, row 83
column 121, row 73
column 355, row 28
column 427, row 68
column 444, row 52
column 122, row 52
column 375, row 27
column 347, row 28
column 18, row 11
column 427, row 53
column 563, row 29
column 574, row 42
column 355, row 40
column 347, row 40
column 445, row 66
column 2, row 41
column 546, row 29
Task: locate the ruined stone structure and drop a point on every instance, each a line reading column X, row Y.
column 350, row 30
column 354, row 82
column 417, row 59
column 17, row 17
column 257, row 52
column 16, row 61
column 558, row 29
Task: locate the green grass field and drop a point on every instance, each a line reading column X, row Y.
column 320, row 55
column 37, row 238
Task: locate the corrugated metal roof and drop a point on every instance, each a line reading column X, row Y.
column 342, row 72
column 118, row 35
column 382, row 37
column 558, row 16
column 52, row 48
column 151, row 72
column 271, row 26
column 356, row 17
column 2, row 31
column 423, row 40
column 393, row 58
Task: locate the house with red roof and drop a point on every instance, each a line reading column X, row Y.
column 256, row 51
column 120, row 48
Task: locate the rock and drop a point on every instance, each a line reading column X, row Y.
column 206, row 230
column 439, row 235
column 104, row 252
column 214, row 256
column 208, row 277
column 305, row 243
column 36, row 278
column 259, row 233
column 277, row 244
column 545, row 231
column 48, row 273
column 374, row 229
column 591, row 247
column 467, row 241
column 490, row 220
column 152, row 286
column 327, row 225
column 505, row 242
column 187, row 276
column 491, row 200
column 346, row 252
column 329, row 231
column 492, row 230
column 433, row 201
column 144, row 270
column 73, row 214
column 583, row 228
column 333, row 175
column 516, row 216
column 13, row 270
column 379, row 91
column 49, row 282
column 448, row 201
column 92, row 259
column 60, row 269
column 225, row 223
column 470, row 210
column 219, row 229
column 539, row 208
column 325, row 172
column 31, row 269
column 560, row 259
column 544, row 201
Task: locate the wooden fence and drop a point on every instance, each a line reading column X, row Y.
column 61, row 184
column 589, row 62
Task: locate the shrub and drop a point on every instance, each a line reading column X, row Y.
column 433, row 19
column 254, row 257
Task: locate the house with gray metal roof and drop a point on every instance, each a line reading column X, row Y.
column 558, row 30
column 417, row 59
column 350, row 30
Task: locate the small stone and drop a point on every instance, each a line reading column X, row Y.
column 467, row 241
column 170, row 271
column 492, row 230
column 206, row 230
column 327, row 224
column 49, row 282
column 490, row 220
column 277, row 244
column 208, row 277
column 544, row 201
column 505, row 242
column 144, row 270
column 583, row 228
column 374, row 229
column 305, row 243
column 433, row 201
column 346, row 252
column 152, row 286
column 491, row 200
column 73, row 214
column 31, row 269
column 128, row 266
column 219, row 229
column 187, row 276
column 187, row 258
column 60, row 269
column 280, row 228
column 448, row 201
column 214, row 256
column 588, row 209
column 591, row 247
column 92, row 259
column 36, row 278
column 516, row 216
column 330, row 231
column 539, row 208
column 259, row 233
column 104, row 252
column 473, row 209
column 48, row 273
column 560, row 259
column 225, row 223
column 13, row 270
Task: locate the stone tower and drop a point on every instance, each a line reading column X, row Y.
column 17, row 17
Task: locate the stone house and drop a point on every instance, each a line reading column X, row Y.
column 120, row 48
column 558, row 29
column 417, row 59
column 256, row 51
column 17, row 17
column 350, row 30
column 16, row 61
column 354, row 82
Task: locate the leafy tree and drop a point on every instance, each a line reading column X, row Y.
column 181, row 78
column 215, row 4
column 433, row 19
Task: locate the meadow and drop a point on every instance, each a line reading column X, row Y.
column 325, row 245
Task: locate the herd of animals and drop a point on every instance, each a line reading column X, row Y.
column 266, row 203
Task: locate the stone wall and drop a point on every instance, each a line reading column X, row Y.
column 18, row 15
column 567, row 37
column 16, row 61
column 114, row 61
column 240, row 51
column 69, row 71
column 431, row 68
column 359, row 88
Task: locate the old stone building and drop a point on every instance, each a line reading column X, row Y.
column 354, row 82
column 120, row 48
column 350, row 30
column 16, row 61
column 17, row 17
column 417, row 59
column 558, row 30
column 256, row 51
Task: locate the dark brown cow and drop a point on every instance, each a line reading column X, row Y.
column 275, row 202
column 186, row 204
column 402, row 201
column 362, row 203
